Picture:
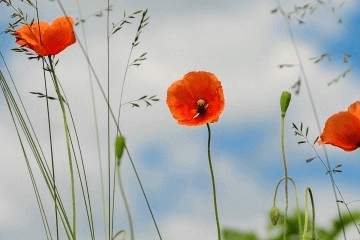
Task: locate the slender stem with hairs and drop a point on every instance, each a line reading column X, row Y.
column 286, row 174
column 213, row 184
column 126, row 204
column 67, row 135
column 308, row 190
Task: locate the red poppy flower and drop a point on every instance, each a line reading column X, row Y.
column 343, row 129
column 196, row 99
column 45, row 39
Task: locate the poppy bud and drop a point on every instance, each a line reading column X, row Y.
column 284, row 102
column 119, row 148
column 274, row 215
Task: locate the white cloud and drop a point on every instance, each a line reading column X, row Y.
column 242, row 49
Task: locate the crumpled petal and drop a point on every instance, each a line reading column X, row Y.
column 45, row 39
column 28, row 36
column 342, row 130
column 355, row 109
column 59, row 36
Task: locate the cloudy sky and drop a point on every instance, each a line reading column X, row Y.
column 243, row 44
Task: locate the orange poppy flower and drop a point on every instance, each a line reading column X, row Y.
column 45, row 39
column 343, row 129
column 196, row 99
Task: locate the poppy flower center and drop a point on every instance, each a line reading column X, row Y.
column 201, row 107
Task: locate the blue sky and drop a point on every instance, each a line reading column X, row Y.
column 239, row 41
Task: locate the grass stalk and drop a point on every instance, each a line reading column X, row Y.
column 35, row 147
column 115, row 122
column 96, row 124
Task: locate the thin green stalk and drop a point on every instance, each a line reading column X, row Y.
column 51, row 151
column 213, row 184
column 297, row 202
column 308, row 190
column 126, row 204
column 86, row 196
column 286, row 174
column 49, row 126
column 37, row 194
column 96, row 123
column 314, row 111
column 118, row 120
column 108, row 113
column 67, row 135
column 114, row 120
column 44, row 168
column 297, row 208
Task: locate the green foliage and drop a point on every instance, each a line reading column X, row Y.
column 293, row 229
column 232, row 234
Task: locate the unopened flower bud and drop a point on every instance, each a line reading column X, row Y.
column 284, row 102
column 274, row 215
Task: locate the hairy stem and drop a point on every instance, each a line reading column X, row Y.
column 213, row 184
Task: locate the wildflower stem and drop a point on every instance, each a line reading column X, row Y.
column 297, row 202
column 67, row 134
column 127, row 208
column 213, row 184
column 286, row 174
column 52, row 156
column 49, row 124
column 314, row 111
column 308, row 191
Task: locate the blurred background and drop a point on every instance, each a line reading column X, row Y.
column 246, row 44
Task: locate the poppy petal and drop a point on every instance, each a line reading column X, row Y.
column 28, row 36
column 342, row 130
column 181, row 102
column 355, row 109
column 59, row 35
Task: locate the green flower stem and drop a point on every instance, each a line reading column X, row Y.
column 309, row 193
column 286, row 174
column 127, row 208
column 297, row 202
column 213, row 184
column 67, row 134
column 52, row 153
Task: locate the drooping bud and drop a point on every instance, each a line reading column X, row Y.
column 119, row 148
column 284, row 102
column 274, row 215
